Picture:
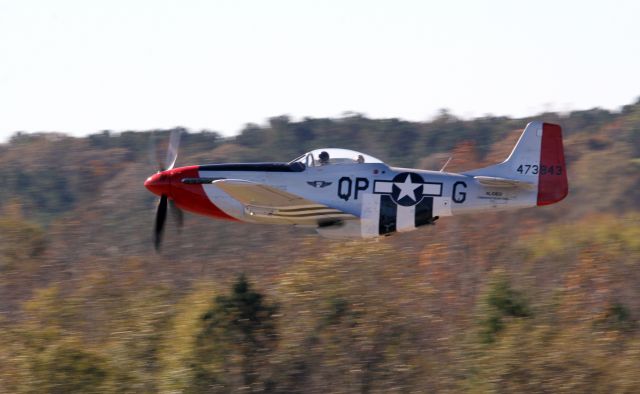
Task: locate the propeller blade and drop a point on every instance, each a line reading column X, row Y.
column 177, row 214
column 161, row 217
column 172, row 149
column 170, row 161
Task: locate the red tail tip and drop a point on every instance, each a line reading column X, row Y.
column 552, row 179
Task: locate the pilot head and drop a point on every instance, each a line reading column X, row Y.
column 324, row 158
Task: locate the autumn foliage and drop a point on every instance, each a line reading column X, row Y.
column 538, row 300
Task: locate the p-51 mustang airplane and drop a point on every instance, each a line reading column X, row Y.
column 347, row 194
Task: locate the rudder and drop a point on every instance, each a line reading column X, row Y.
column 553, row 185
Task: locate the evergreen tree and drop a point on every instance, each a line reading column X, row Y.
column 233, row 346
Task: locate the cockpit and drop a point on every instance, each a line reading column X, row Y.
column 331, row 156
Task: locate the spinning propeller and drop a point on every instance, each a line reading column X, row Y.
column 161, row 181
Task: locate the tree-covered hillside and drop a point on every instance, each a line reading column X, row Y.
column 538, row 300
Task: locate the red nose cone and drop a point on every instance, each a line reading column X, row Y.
column 159, row 183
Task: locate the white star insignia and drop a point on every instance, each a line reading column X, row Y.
column 407, row 188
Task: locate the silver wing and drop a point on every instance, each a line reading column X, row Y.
column 266, row 204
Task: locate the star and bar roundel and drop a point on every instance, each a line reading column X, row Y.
column 408, row 188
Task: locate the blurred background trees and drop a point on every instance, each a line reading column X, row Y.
column 539, row 300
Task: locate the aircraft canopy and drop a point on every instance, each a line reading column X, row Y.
column 331, row 156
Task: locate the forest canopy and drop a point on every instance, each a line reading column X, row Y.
column 538, row 300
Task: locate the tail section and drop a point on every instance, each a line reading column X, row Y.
column 538, row 159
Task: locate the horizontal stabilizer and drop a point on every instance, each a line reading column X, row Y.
column 502, row 182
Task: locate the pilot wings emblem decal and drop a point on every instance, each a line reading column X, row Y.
column 319, row 183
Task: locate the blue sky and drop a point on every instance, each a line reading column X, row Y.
column 84, row 66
